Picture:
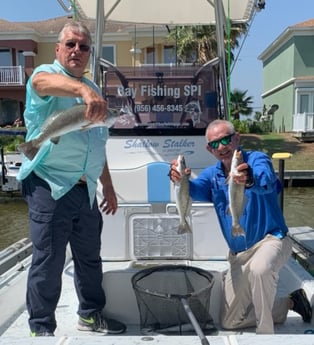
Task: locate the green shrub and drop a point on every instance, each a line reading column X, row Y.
column 10, row 142
column 241, row 126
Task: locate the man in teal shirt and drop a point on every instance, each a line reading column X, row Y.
column 59, row 185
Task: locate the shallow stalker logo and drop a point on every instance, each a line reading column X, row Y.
column 166, row 146
column 140, row 143
column 181, row 144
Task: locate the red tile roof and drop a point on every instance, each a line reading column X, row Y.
column 307, row 23
column 54, row 25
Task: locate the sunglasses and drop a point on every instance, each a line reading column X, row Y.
column 82, row 47
column 224, row 141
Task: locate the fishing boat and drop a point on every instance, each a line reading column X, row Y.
column 9, row 166
column 10, row 163
column 164, row 111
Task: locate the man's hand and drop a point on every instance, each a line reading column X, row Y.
column 174, row 174
column 109, row 204
column 96, row 109
column 244, row 176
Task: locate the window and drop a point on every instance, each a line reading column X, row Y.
column 169, row 54
column 305, row 102
column 151, row 56
column 20, row 58
column 5, row 57
column 108, row 53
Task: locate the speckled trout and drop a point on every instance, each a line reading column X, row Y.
column 236, row 195
column 60, row 123
column 183, row 199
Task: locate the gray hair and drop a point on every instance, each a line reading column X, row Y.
column 216, row 123
column 75, row 27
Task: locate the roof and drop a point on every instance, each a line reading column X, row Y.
column 53, row 26
column 302, row 28
column 307, row 23
column 179, row 12
column 6, row 26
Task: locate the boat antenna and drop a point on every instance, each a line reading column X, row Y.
column 228, row 59
column 259, row 6
column 63, row 5
column 71, row 7
column 242, row 44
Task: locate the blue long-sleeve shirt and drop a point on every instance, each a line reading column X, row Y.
column 262, row 214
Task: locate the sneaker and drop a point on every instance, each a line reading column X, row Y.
column 42, row 334
column 301, row 305
column 98, row 323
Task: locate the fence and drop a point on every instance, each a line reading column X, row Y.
column 12, row 75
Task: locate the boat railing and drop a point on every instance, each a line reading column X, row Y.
column 14, row 254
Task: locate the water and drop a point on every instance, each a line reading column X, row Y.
column 298, row 210
column 13, row 221
column 298, row 206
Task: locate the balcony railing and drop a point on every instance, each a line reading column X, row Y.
column 303, row 122
column 12, row 75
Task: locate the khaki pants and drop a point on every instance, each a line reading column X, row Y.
column 250, row 286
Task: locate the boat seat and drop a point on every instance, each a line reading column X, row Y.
column 149, row 183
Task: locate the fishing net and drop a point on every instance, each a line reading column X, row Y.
column 159, row 292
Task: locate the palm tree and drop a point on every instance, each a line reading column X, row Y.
column 240, row 104
column 199, row 43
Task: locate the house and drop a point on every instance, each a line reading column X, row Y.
column 288, row 81
column 25, row 45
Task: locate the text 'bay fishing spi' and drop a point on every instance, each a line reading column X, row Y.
column 60, row 123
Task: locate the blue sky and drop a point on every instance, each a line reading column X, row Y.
column 266, row 27
column 247, row 73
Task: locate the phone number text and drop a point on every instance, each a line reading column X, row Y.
column 147, row 108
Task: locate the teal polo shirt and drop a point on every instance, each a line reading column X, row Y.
column 77, row 153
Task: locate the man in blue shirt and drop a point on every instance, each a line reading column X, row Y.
column 59, row 185
column 257, row 256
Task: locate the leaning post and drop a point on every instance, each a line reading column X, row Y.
column 281, row 156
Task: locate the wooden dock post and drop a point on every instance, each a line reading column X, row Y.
column 281, row 156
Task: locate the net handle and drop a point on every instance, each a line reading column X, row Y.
column 194, row 322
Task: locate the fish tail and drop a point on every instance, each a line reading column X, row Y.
column 28, row 149
column 184, row 227
column 237, row 230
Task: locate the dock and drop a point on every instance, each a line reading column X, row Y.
column 298, row 177
column 291, row 176
column 13, row 131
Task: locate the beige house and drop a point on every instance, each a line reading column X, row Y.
column 25, row 45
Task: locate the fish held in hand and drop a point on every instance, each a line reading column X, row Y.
column 60, row 123
column 236, row 195
column 182, row 194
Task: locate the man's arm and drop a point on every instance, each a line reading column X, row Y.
column 53, row 84
column 109, row 204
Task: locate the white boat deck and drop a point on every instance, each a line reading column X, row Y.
column 121, row 303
